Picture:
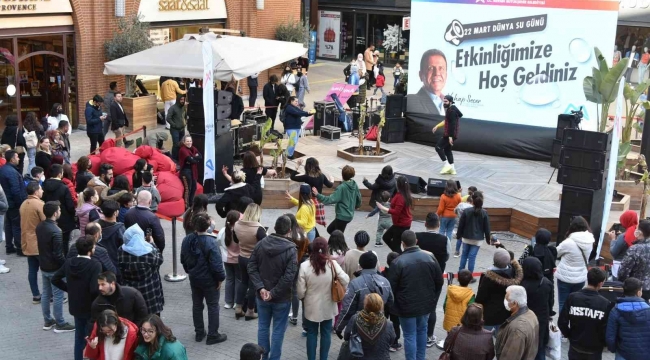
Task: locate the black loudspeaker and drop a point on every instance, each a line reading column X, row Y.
column 222, row 127
column 580, row 202
column 394, row 130
column 195, row 95
column 222, row 112
column 196, row 125
column 224, row 154
column 565, row 121
column 417, row 184
column 555, row 153
column 435, row 187
column 586, row 140
column 195, row 111
column 394, row 105
column 222, row 97
column 591, row 160
column 579, row 177
column 324, row 114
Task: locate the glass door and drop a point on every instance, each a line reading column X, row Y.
column 360, row 33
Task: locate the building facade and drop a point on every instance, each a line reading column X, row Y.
column 52, row 51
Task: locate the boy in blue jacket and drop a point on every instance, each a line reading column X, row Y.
column 628, row 326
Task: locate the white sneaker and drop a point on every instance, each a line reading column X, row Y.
column 431, row 341
column 4, row 269
column 441, row 344
column 2, row 262
column 227, row 306
column 564, row 340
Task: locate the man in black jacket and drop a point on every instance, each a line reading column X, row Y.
column 201, row 259
column 112, row 232
column 252, row 83
column 14, row 188
column 125, row 300
column 80, row 283
column 237, row 104
column 100, row 254
column 583, row 319
column 146, row 219
column 51, row 259
column 272, row 268
column 119, row 121
column 416, row 280
column 451, row 126
column 270, row 99
column 55, row 190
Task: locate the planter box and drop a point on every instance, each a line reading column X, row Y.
column 526, row 225
column 635, row 191
column 141, row 111
column 274, row 193
column 621, row 202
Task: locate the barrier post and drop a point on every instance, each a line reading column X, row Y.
column 144, row 134
column 174, row 276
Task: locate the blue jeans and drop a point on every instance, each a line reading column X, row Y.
column 82, row 329
column 51, row 291
column 469, row 253
column 177, row 136
column 447, row 226
column 233, row 282
column 295, row 134
column 311, row 235
column 563, row 291
column 33, row 265
column 459, row 243
column 494, row 329
column 541, row 352
column 619, row 357
column 268, row 312
column 312, row 338
column 31, row 154
column 414, row 332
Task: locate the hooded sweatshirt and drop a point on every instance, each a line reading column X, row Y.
column 457, row 300
column 572, row 268
column 540, row 293
column 381, row 184
column 273, row 266
column 112, row 239
column 346, row 197
column 81, row 283
column 452, row 121
column 55, row 189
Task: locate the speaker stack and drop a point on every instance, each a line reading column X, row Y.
column 583, row 163
column 224, row 144
column 416, row 183
column 394, row 130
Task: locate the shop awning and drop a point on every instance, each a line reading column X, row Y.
column 234, row 56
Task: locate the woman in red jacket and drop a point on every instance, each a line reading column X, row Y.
column 113, row 337
column 400, row 211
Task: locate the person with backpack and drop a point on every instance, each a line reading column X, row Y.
column 540, row 249
column 201, row 259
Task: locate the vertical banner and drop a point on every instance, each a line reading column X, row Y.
column 329, row 34
column 611, row 170
column 313, row 37
column 208, row 110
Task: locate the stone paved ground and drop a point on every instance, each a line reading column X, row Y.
column 21, row 321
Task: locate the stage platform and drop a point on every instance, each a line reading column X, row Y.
column 516, row 192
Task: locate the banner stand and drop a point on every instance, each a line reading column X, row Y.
column 174, row 276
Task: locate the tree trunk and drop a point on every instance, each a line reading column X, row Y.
column 644, row 200
column 378, row 146
column 130, row 85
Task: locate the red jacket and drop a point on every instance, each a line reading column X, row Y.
column 73, row 191
column 381, row 79
column 400, row 213
column 129, row 349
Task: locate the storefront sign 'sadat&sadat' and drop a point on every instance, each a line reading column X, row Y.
column 183, row 5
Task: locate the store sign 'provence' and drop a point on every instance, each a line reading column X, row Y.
column 183, row 5
column 28, row 7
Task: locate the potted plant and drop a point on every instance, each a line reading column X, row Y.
column 393, row 40
column 362, row 121
column 632, row 105
column 133, row 37
column 602, row 87
column 275, row 188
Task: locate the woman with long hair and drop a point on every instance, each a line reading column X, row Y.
column 200, row 205
column 83, row 176
column 374, row 330
column 88, row 212
column 158, row 342
column 302, row 243
column 573, row 253
column 315, row 289
column 43, row 156
column 471, row 340
column 313, row 175
column 400, row 210
column 230, row 257
column 189, row 159
column 288, row 79
column 113, row 337
column 233, row 194
column 306, row 213
column 247, row 232
column 120, row 187
column 346, row 197
column 58, row 145
column 338, row 246
column 254, row 177
column 68, row 180
column 56, row 115
column 473, row 227
column 31, row 123
column 446, row 208
column 140, row 167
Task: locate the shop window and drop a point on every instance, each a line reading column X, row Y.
column 72, row 81
column 7, row 80
column 347, row 37
column 392, row 42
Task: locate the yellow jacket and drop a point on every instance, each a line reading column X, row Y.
column 458, row 298
column 169, row 89
column 306, row 215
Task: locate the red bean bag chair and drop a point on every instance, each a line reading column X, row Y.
column 164, row 162
column 199, row 189
column 171, row 208
column 145, row 152
column 129, row 176
column 154, row 165
column 107, row 144
column 170, row 186
column 121, row 159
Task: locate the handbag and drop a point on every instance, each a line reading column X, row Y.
column 554, row 346
column 447, row 354
column 31, row 140
column 372, row 133
column 356, row 348
column 338, row 291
